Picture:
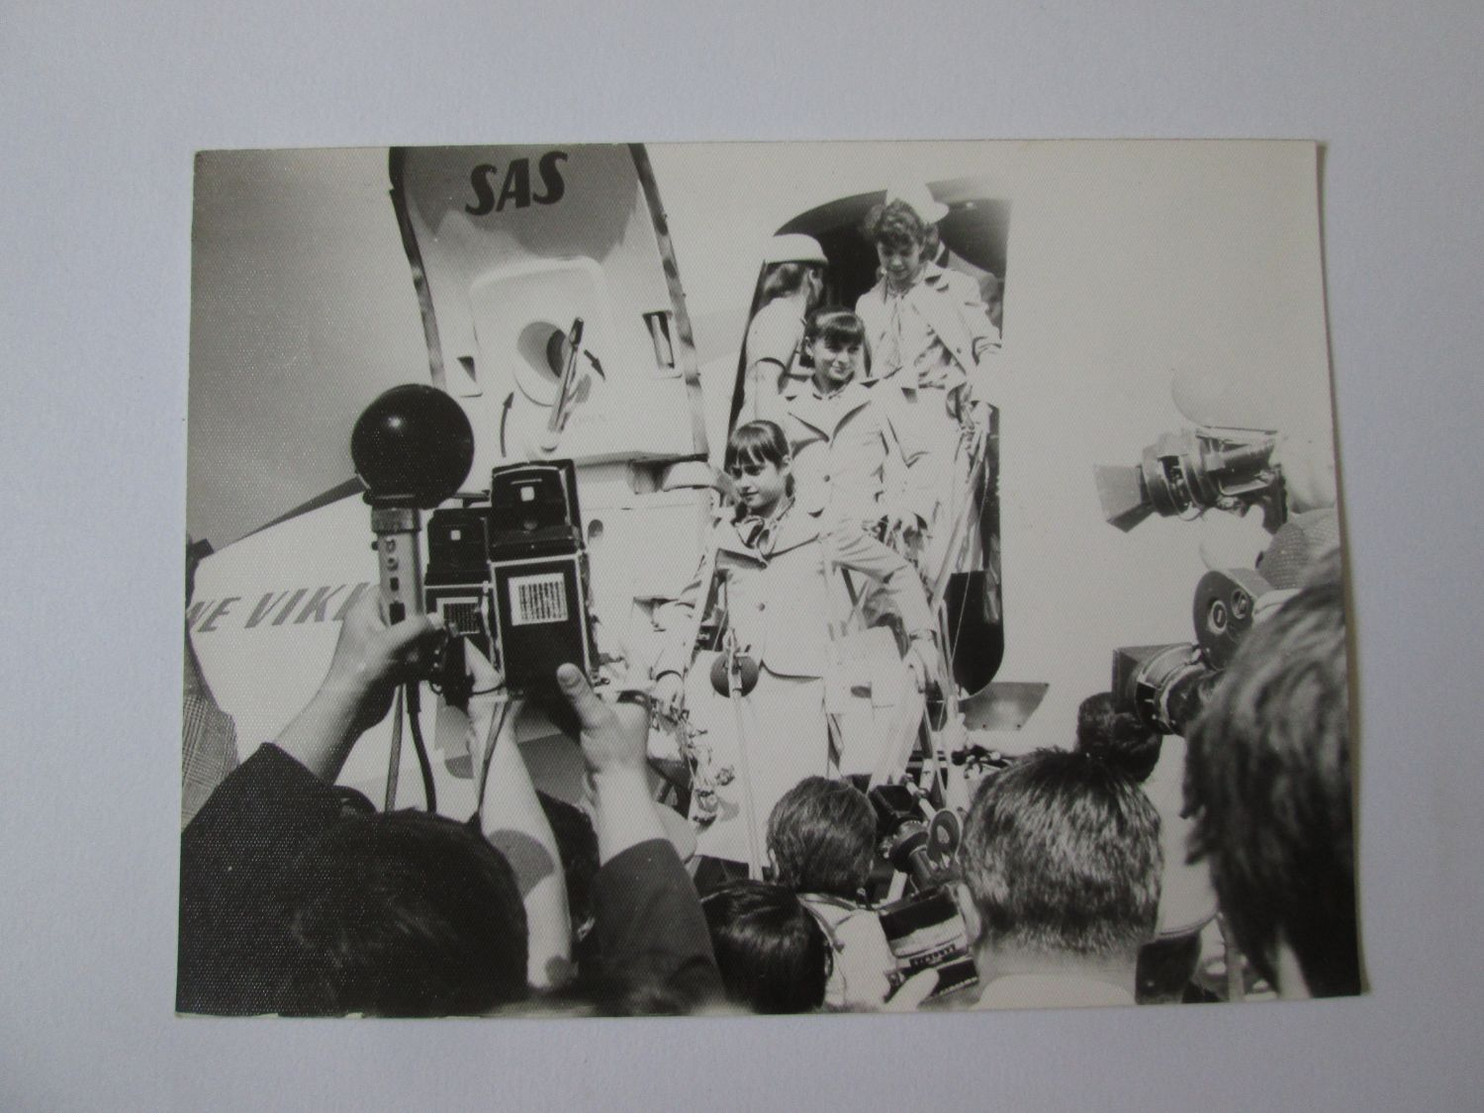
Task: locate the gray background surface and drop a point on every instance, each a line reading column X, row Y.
column 102, row 109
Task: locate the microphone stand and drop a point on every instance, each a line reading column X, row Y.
column 397, row 523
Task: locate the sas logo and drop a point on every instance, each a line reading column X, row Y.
column 515, row 186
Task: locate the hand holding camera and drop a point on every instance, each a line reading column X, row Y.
column 371, row 659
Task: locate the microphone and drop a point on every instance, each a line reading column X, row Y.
column 412, row 448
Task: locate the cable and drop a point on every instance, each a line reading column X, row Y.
column 394, row 763
column 414, row 706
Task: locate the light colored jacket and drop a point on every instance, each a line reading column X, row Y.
column 849, row 454
column 861, row 975
column 951, row 305
column 780, row 605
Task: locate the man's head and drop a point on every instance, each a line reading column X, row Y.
column 1061, row 855
column 404, row 914
column 771, row 951
column 1117, row 736
column 822, row 835
column 1268, row 779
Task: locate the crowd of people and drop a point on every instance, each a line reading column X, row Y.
column 299, row 898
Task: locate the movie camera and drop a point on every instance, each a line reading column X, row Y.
column 924, row 929
column 913, row 837
column 1167, row 684
column 1186, row 472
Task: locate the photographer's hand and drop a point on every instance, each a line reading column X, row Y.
column 370, row 659
column 613, row 738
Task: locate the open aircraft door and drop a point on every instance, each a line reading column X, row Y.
column 974, row 235
column 508, row 248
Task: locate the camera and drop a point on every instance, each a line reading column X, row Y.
column 1186, row 472
column 509, row 570
column 1166, row 684
column 911, row 837
column 924, row 929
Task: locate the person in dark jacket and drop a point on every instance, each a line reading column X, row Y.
column 298, row 898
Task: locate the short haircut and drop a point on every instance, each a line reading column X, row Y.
column 1268, row 781
column 1061, row 854
column 404, row 914
column 1117, row 736
column 772, row 953
column 823, row 837
column 836, row 326
column 759, row 442
column 897, row 224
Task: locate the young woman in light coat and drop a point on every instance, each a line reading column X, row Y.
column 779, row 567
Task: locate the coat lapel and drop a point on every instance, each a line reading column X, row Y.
column 731, row 544
column 799, row 526
column 939, row 313
column 827, row 416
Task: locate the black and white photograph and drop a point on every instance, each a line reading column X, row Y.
column 664, row 557
column 667, row 579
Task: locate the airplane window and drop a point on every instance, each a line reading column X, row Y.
column 557, row 352
column 543, row 350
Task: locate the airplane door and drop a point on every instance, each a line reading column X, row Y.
column 509, row 246
column 974, row 233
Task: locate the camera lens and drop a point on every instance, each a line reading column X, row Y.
column 1241, row 605
column 1217, row 619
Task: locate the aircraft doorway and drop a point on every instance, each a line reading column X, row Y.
column 974, row 235
column 974, row 231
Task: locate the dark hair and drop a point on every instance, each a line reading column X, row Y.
column 405, row 914
column 837, row 326
column 771, row 951
column 782, row 280
column 896, row 224
column 1061, row 854
column 823, row 837
column 1117, row 736
column 755, row 443
column 1268, row 780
